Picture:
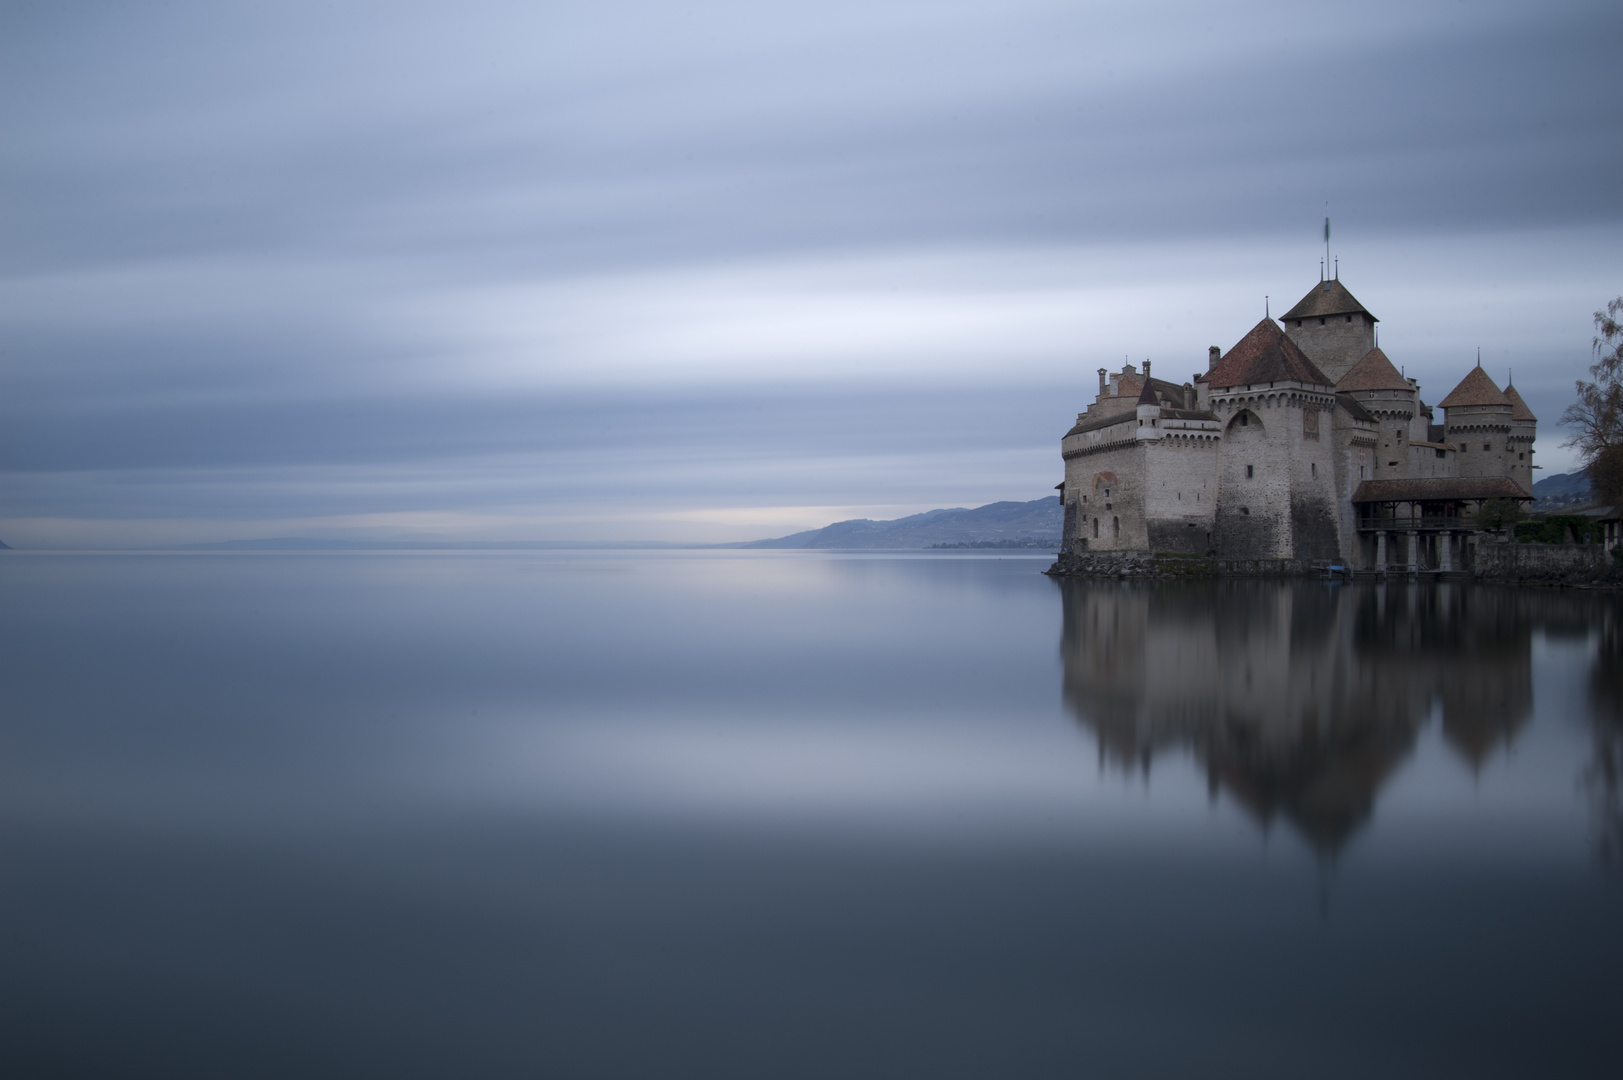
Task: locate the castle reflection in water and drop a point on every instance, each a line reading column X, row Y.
column 1301, row 699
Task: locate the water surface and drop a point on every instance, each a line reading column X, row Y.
column 798, row 814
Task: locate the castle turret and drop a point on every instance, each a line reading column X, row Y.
column 1477, row 421
column 1149, row 413
column 1331, row 327
column 1523, row 430
column 1392, row 400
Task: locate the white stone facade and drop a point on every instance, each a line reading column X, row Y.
column 1263, row 456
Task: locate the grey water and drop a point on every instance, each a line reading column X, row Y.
column 799, row 814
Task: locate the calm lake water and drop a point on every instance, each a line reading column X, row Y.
column 799, row 815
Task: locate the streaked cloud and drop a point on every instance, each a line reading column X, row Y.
column 526, row 267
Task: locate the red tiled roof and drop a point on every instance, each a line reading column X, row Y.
column 1439, row 489
column 1475, row 389
column 1265, row 355
column 1373, row 372
column 1518, row 407
column 1326, row 298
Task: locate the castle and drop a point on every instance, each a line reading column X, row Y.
column 1301, row 445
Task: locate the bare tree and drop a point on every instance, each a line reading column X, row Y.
column 1597, row 416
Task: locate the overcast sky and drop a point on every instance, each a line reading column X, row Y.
column 714, row 271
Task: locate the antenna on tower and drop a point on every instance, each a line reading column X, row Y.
column 1321, row 271
column 1266, row 314
column 1479, row 356
column 1338, row 267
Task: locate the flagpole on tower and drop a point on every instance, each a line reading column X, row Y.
column 1326, row 242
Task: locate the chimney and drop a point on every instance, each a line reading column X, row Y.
column 1213, row 355
column 1101, row 382
column 1189, row 395
column 1146, row 370
column 1114, row 383
column 1129, row 369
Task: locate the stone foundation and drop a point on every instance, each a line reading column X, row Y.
column 1555, row 564
column 1145, row 564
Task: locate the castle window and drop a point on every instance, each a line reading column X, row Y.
column 1349, row 318
column 1440, row 453
column 1250, row 471
column 1518, row 456
column 1245, row 421
column 1485, row 446
column 1321, row 322
column 1115, row 528
column 1361, row 469
column 1462, row 448
column 1246, row 510
column 1096, row 528
column 1313, row 468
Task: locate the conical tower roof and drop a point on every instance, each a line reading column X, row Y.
column 1265, row 355
column 1328, row 297
column 1475, row 389
column 1373, row 372
column 1148, row 396
column 1518, row 407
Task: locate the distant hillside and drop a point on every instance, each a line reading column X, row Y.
column 305, row 543
column 1040, row 519
column 1562, row 489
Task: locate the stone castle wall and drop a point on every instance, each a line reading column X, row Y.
column 1334, row 343
column 1180, row 493
column 1107, row 485
column 1478, row 427
column 1276, row 478
column 1519, row 453
column 1554, row 563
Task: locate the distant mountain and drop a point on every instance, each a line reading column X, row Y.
column 1562, row 489
column 1563, row 484
column 1040, row 519
column 4, row 546
column 305, row 543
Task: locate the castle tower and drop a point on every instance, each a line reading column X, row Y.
column 1331, row 327
column 1276, row 495
column 1394, row 402
column 1523, row 430
column 1477, row 420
